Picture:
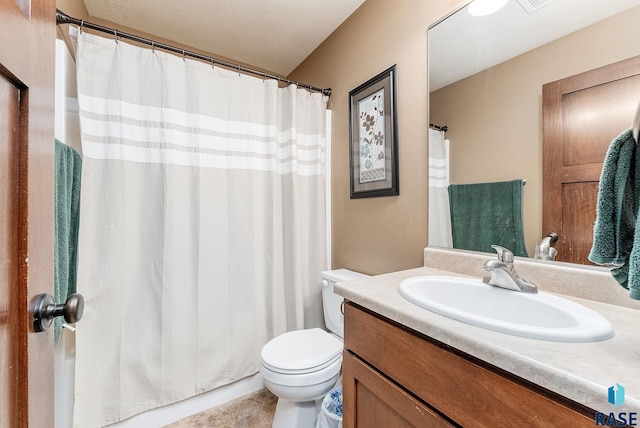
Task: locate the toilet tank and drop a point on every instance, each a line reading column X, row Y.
column 331, row 302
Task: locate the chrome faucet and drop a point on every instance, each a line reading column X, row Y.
column 545, row 250
column 503, row 273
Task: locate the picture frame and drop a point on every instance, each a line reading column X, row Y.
column 373, row 143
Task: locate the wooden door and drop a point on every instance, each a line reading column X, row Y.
column 582, row 115
column 27, row 37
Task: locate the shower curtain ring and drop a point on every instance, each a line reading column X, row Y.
column 238, row 66
column 213, row 67
column 153, row 46
column 183, row 57
column 115, row 35
column 81, row 25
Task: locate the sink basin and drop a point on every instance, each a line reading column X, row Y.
column 537, row 316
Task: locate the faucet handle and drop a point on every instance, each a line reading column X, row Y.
column 504, row 255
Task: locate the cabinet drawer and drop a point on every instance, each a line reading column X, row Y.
column 469, row 394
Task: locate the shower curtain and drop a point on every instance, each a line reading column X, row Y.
column 202, row 225
column 439, row 218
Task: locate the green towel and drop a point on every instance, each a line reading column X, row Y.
column 484, row 214
column 68, row 164
column 615, row 241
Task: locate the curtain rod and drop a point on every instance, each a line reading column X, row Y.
column 63, row 18
column 443, row 128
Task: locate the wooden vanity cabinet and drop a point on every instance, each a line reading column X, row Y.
column 396, row 377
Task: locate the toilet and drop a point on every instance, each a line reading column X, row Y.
column 302, row 366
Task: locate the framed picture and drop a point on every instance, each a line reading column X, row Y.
column 373, row 144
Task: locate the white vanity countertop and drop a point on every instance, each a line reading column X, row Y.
column 582, row 372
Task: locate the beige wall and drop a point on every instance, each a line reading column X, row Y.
column 73, row 8
column 376, row 235
column 495, row 117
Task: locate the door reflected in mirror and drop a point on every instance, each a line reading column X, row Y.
column 486, row 86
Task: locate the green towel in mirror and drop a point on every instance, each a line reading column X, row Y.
column 483, row 214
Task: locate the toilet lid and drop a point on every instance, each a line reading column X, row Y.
column 301, row 350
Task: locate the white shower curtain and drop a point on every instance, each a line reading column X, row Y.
column 202, row 225
column 439, row 218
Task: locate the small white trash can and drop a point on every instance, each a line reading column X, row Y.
column 331, row 410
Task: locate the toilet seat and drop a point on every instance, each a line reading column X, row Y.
column 302, row 371
column 301, row 351
column 302, row 379
column 301, row 357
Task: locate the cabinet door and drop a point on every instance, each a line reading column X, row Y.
column 371, row 400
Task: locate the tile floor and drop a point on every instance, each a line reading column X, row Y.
column 251, row 411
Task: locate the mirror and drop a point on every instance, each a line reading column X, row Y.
column 486, row 76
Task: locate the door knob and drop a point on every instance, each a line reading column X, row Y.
column 44, row 310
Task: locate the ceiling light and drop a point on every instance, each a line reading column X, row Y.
column 485, row 7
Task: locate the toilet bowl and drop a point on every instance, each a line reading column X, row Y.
column 302, row 366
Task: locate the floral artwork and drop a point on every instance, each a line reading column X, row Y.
column 372, row 144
